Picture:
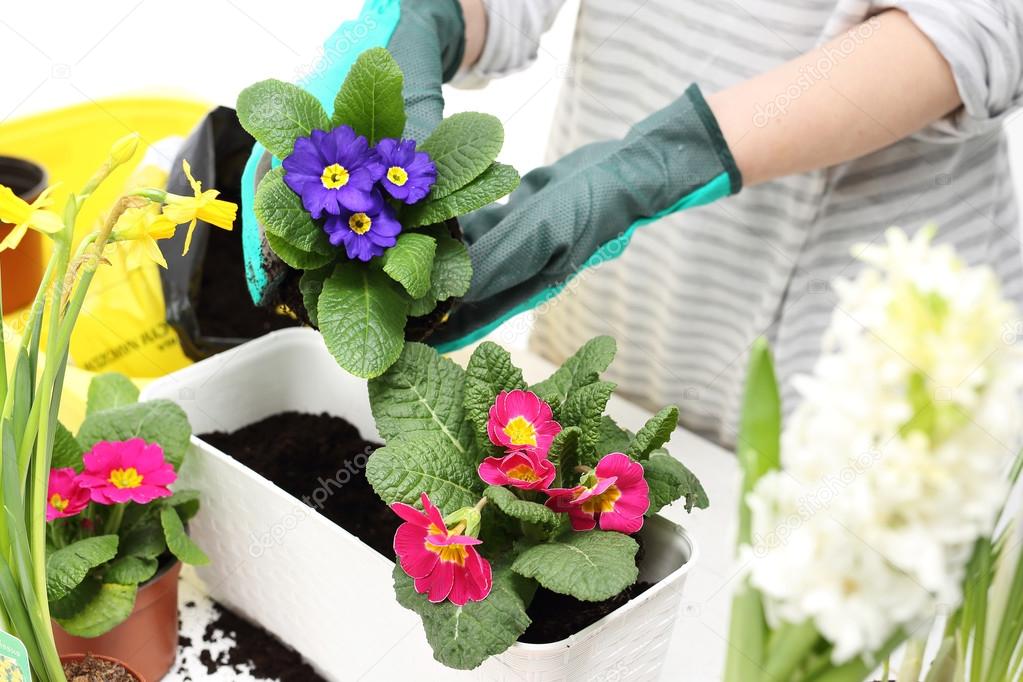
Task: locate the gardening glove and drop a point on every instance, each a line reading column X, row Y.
column 582, row 210
column 425, row 37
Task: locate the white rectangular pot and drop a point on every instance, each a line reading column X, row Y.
column 320, row 589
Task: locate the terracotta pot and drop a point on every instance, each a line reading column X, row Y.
column 148, row 640
column 68, row 658
column 22, row 267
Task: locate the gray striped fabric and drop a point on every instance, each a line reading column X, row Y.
column 694, row 290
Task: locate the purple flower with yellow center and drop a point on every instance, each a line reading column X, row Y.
column 409, row 175
column 333, row 172
column 364, row 235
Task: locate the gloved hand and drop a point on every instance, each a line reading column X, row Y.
column 425, row 37
column 581, row 211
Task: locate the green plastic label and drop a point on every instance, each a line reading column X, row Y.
column 13, row 659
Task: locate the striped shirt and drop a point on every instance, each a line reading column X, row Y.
column 692, row 292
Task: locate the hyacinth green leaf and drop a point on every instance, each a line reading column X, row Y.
column 178, row 541
column 496, row 181
column 276, row 113
column 584, row 367
column 523, row 510
column 370, row 100
column 130, row 570
column 759, row 442
column 611, row 437
column 490, row 371
column 421, row 395
column 654, row 434
column 110, row 606
column 110, row 389
column 67, row 451
column 362, row 314
column 591, row 566
column 462, row 147
column 67, row 567
column 406, row 467
column 154, row 421
column 280, row 212
column 462, row 637
column 670, row 480
column 310, row 285
column 410, row 262
column 585, row 409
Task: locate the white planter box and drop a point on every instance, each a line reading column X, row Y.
column 323, row 591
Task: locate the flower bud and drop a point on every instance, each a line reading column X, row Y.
column 468, row 517
column 125, row 148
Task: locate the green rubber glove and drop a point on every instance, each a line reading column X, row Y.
column 582, row 210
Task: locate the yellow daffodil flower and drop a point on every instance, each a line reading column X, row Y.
column 141, row 227
column 25, row 216
column 203, row 206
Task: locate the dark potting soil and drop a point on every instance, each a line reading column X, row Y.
column 321, row 460
column 91, row 669
column 224, row 308
column 328, row 446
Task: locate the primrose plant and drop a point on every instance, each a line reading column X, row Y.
column 519, row 486
column 364, row 213
column 112, row 520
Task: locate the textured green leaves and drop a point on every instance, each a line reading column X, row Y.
column 67, row 567
column 451, row 274
column 406, row 467
column 522, row 510
column 361, row 314
column 670, row 480
column 584, row 367
column 410, row 262
column 67, row 451
column 110, row 390
column 130, row 570
column 370, row 99
column 585, row 408
column 462, row 637
column 178, row 541
column 654, row 434
column 490, row 371
column 590, row 566
column 275, row 113
column 462, row 146
column 111, row 604
column 611, row 437
column 496, row 181
column 281, row 213
column 154, row 421
column 310, row 285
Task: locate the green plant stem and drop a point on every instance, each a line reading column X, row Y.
column 113, row 523
column 886, row 669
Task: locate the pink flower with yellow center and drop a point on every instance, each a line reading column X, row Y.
column 614, row 494
column 64, row 495
column 525, row 469
column 443, row 563
column 126, row 471
column 519, row 420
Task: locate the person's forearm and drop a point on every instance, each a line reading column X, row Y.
column 475, row 15
column 865, row 90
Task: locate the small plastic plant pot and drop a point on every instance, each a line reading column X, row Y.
column 71, row 658
column 148, row 640
column 22, row 267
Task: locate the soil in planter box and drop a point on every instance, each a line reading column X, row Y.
column 557, row 616
column 321, row 460
column 91, row 669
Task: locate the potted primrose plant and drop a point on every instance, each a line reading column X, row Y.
column 303, row 554
column 365, row 218
column 31, row 392
column 117, row 535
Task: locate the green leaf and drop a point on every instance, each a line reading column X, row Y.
column 611, row 437
column 654, row 434
column 362, row 314
column 759, row 441
column 296, row 258
column 451, row 274
column 585, row 409
column 77, row 599
column 130, row 570
column 490, row 371
column 110, row 389
column 523, row 510
column 564, row 450
column 496, row 181
column 145, row 541
column 406, row 467
column 591, row 566
column 185, row 502
column 154, row 421
column 68, row 566
column 410, row 262
column 670, row 480
column 370, row 100
column 67, row 451
column 422, row 306
column 421, row 395
column 584, row 367
column 281, row 213
column 462, row 637
column 178, row 541
column 110, row 607
column 275, row 113
column 310, row 286
column 462, row 146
